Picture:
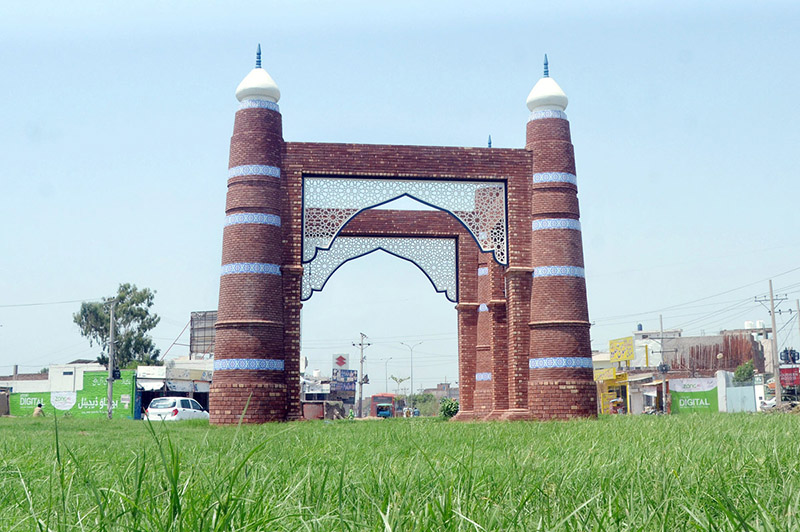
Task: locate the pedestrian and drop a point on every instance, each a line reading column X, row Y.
column 37, row 412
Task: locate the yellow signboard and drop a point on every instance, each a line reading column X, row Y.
column 621, row 349
column 607, row 374
column 605, row 401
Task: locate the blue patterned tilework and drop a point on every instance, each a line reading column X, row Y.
column 486, row 376
column 259, row 104
column 548, row 113
column 483, row 270
column 251, row 267
column 555, row 177
column 559, row 271
column 254, row 169
column 252, row 218
column 248, row 363
column 483, row 308
column 556, row 223
column 560, row 362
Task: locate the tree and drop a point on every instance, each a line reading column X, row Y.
column 425, row 403
column 132, row 321
column 448, row 407
column 744, row 373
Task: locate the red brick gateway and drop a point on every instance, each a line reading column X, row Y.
column 504, row 245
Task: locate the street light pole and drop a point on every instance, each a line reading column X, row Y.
column 386, row 374
column 111, row 361
column 411, row 349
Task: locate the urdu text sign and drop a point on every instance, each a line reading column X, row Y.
column 621, row 349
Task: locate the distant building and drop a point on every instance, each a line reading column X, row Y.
column 443, row 389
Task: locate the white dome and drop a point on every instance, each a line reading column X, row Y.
column 546, row 94
column 258, row 85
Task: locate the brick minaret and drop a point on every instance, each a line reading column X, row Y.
column 249, row 360
column 560, row 382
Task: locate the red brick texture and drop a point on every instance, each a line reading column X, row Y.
column 525, row 317
column 251, row 306
column 559, row 321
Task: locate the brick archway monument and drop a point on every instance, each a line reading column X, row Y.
column 504, row 245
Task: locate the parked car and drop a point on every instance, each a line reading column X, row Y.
column 766, row 405
column 174, row 409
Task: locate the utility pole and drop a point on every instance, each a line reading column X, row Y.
column 411, row 349
column 776, row 361
column 361, row 345
column 111, row 361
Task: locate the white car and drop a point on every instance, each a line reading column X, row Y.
column 766, row 405
column 174, row 409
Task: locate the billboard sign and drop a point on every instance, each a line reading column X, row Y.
column 607, row 374
column 693, row 395
column 345, row 375
column 790, row 376
column 621, row 349
column 91, row 401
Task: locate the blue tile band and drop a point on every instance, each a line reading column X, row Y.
column 483, row 270
column 483, row 376
column 548, row 113
column 555, row 177
column 251, row 267
column 559, row 271
column 252, row 218
column 560, row 362
column 254, row 169
column 556, row 223
column 248, row 363
column 259, row 104
column 483, row 308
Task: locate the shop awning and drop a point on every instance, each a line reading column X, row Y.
column 202, row 386
column 150, row 385
column 654, row 383
column 180, row 386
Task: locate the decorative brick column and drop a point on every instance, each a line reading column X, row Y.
column 483, row 368
column 467, row 327
column 560, row 381
column 497, row 308
column 250, row 369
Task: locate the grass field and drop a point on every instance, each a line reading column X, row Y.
column 715, row 472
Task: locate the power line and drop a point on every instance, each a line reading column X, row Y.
column 16, row 305
column 698, row 300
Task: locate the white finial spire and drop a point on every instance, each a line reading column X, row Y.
column 258, row 84
column 546, row 94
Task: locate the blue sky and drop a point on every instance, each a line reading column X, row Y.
column 117, row 121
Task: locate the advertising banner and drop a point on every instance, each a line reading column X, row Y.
column 693, row 395
column 621, row 349
column 345, row 375
column 790, row 376
column 91, row 401
column 606, row 374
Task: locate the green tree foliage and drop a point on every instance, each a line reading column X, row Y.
column 133, row 320
column 425, row 403
column 744, row 373
column 448, row 407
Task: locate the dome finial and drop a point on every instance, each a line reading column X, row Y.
column 546, row 69
column 258, row 57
